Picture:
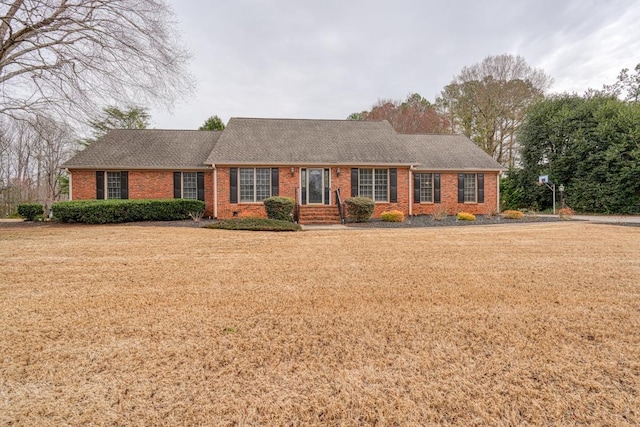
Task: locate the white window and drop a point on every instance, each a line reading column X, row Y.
column 469, row 187
column 189, row 185
column 381, row 185
column 374, row 184
column 426, row 186
column 114, row 185
column 365, row 181
column 255, row 184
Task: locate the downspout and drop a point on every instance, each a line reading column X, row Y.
column 410, row 190
column 215, row 192
column 498, row 192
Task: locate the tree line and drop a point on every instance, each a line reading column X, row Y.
column 589, row 143
column 62, row 62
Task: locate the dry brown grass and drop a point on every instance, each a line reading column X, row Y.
column 507, row 325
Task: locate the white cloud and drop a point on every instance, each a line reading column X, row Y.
column 327, row 59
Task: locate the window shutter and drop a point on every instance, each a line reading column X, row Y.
column 436, row 188
column 460, row 188
column 480, row 188
column 416, row 188
column 124, row 185
column 233, row 185
column 99, row 185
column 393, row 185
column 327, row 188
column 354, row 182
column 200, row 185
column 303, row 181
column 177, row 185
column 275, row 186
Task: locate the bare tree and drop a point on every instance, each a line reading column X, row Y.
column 54, row 144
column 414, row 115
column 31, row 153
column 488, row 101
column 64, row 57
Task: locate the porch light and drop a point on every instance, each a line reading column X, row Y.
column 338, row 171
column 293, row 171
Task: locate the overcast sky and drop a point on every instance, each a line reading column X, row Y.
column 326, row 59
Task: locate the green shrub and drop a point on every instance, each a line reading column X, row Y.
column 117, row 211
column 255, row 224
column 30, row 211
column 392, row 216
column 512, row 214
column 359, row 209
column 466, row 216
column 280, row 208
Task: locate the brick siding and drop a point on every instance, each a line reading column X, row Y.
column 143, row 184
column 449, row 197
column 158, row 184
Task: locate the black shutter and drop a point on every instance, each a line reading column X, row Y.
column 460, row 188
column 124, row 185
column 436, row 188
column 233, row 185
column 200, row 185
column 416, row 188
column 354, row 182
column 303, row 180
column 327, row 188
column 393, row 185
column 99, row 185
column 480, row 188
column 275, row 186
column 177, row 185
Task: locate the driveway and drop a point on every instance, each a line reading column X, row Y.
column 607, row 219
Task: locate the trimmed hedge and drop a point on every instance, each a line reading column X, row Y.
column 30, row 211
column 465, row 216
column 117, row 211
column 359, row 209
column 255, row 224
column 280, row 208
column 512, row 214
column 392, row 216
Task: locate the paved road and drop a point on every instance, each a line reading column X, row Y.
column 610, row 219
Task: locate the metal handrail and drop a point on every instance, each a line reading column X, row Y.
column 340, row 207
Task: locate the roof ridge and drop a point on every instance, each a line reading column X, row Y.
column 309, row 120
column 165, row 130
column 430, row 134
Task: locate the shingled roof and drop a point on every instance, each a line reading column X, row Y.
column 147, row 149
column 298, row 141
column 447, row 152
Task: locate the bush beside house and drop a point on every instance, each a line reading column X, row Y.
column 359, row 209
column 279, row 208
column 117, row 211
column 29, row 211
column 392, row 216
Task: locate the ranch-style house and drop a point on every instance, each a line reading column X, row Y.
column 316, row 162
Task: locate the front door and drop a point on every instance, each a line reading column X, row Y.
column 315, row 186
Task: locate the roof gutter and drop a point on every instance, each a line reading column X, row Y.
column 287, row 164
column 136, row 168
